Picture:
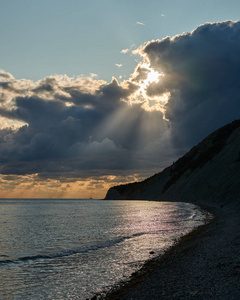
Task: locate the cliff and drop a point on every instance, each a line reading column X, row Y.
column 209, row 172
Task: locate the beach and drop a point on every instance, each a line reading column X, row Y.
column 205, row 264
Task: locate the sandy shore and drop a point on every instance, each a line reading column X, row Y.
column 204, row 265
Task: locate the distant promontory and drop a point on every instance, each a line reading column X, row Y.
column 209, row 172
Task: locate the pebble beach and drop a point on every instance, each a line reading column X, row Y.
column 205, row 264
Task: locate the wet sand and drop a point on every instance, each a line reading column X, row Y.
column 204, row 265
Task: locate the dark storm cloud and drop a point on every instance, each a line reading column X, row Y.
column 75, row 130
column 71, row 128
column 202, row 74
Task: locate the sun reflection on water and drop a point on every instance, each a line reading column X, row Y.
column 106, row 240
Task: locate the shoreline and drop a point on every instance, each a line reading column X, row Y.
column 184, row 270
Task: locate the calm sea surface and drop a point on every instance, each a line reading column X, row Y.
column 73, row 249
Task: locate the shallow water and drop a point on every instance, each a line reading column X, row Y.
column 72, row 249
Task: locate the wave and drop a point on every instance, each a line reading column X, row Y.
column 70, row 252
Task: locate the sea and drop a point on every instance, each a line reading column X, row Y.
column 78, row 248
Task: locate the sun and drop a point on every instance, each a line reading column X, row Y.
column 152, row 101
column 153, row 76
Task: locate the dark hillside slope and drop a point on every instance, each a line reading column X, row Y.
column 210, row 171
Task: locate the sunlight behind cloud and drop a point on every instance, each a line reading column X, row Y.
column 7, row 123
column 69, row 129
column 153, row 76
column 143, row 77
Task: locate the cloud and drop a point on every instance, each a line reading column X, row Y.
column 124, row 51
column 140, row 23
column 10, row 88
column 73, row 127
column 65, row 129
column 201, row 73
column 94, row 75
column 5, row 76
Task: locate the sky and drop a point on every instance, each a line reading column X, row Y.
column 99, row 93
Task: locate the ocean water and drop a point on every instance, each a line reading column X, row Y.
column 73, row 249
